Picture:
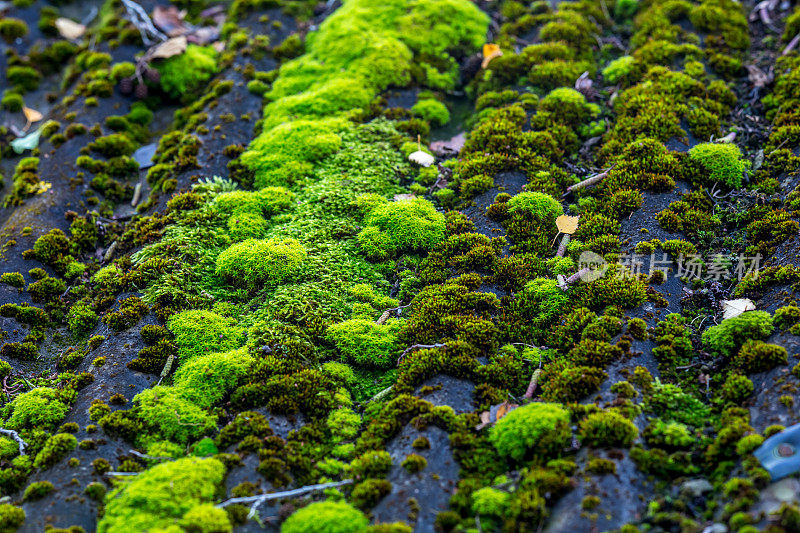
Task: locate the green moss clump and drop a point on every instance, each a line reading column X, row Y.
column 37, row 490
column 39, row 408
column 326, row 517
column 539, row 429
column 15, row 279
column 432, row 110
column 756, row 356
column 736, row 389
column 541, row 207
column 12, row 101
column 722, row 161
column 12, row 29
column 622, row 69
column 183, row 75
column 607, row 429
column 726, row 337
column 11, row 517
column 489, row 501
column 405, row 225
column 199, row 332
column 365, row 343
column 254, row 262
column 55, row 449
column 167, row 492
column 82, row 319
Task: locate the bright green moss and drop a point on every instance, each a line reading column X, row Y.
column 722, row 161
column 12, row 29
column 82, row 319
column 55, row 448
column 207, row 378
column 14, row 279
column 168, row 492
column 541, row 300
column 200, row 332
column 243, row 226
column 11, row 517
column 185, row 74
column 736, row 389
column 539, row 429
column 726, row 337
column 39, row 408
column 433, row 111
column 168, row 416
column 542, row 208
column 358, row 51
column 620, row 69
column 326, row 517
column 671, row 403
column 489, row 501
column 405, row 225
column 365, row 343
column 254, row 262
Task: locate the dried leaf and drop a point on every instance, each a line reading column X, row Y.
column 505, row 408
column 169, row 48
column 567, row 224
column 422, row 158
column 398, row 197
column 490, row 51
column 170, row 20
column 204, row 35
column 732, row 308
column 69, row 29
column 757, row 76
column 31, row 115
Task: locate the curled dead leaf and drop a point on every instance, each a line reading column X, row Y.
column 169, row 48
column 490, row 51
column 31, row 115
column 69, row 29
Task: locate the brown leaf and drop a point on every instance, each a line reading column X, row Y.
column 69, row 29
column 504, row 408
column 567, row 224
column 170, row 20
column 490, row 51
column 31, row 115
column 169, row 48
column 757, row 76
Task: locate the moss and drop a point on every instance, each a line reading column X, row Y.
column 12, row 101
column 368, row 493
column 671, row 403
column 183, row 75
column 131, row 310
column 405, row 225
column 623, row 69
column 163, row 494
column 14, row 279
column 37, row 490
column 756, row 356
column 414, row 463
column 736, row 389
column 55, row 449
column 540, row 429
column 38, row 408
column 12, row 29
column 726, row 337
column 607, row 429
column 325, row 517
column 722, row 162
column 11, row 517
column 253, row 262
column 365, row 343
column 433, row 111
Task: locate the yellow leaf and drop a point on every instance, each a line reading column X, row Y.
column 567, row 224
column 490, row 51
column 31, row 115
column 69, row 29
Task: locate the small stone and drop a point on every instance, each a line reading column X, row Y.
column 696, row 487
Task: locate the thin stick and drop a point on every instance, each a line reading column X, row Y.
column 14, row 435
column 258, row 500
column 597, row 178
column 419, row 347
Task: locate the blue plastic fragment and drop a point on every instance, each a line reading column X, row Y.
column 144, row 155
column 780, row 454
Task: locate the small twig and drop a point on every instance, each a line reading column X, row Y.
column 597, row 178
column 792, row 44
column 122, row 473
column 167, row 367
column 382, row 394
column 14, row 435
column 258, row 500
column 110, row 252
column 562, row 246
column 419, row 347
column 139, row 18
